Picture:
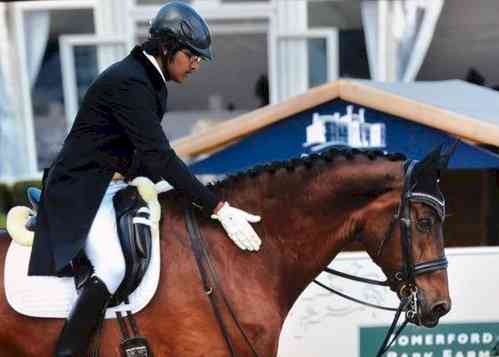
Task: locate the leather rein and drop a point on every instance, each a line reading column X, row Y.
column 406, row 278
column 211, row 282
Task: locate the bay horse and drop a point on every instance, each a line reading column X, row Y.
column 311, row 209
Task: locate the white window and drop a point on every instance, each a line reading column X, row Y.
column 37, row 28
column 320, row 60
column 83, row 57
column 55, row 66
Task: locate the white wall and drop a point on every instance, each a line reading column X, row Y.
column 323, row 325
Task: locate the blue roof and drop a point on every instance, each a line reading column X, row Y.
column 330, row 124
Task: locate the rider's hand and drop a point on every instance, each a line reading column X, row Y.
column 235, row 223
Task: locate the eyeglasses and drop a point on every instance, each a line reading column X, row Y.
column 194, row 59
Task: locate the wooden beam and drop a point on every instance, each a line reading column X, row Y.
column 450, row 122
column 248, row 123
column 467, row 128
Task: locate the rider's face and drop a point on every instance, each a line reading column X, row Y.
column 182, row 64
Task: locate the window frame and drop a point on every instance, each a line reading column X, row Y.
column 109, row 19
column 25, row 104
column 331, row 35
column 67, row 43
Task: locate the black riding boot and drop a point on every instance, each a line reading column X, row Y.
column 86, row 314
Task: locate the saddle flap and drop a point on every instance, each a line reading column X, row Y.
column 142, row 224
column 134, row 230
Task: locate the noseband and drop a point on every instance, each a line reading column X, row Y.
column 406, row 278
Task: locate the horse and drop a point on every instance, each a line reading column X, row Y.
column 312, row 208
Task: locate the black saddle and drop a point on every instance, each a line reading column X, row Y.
column 134, row 230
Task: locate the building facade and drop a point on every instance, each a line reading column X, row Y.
column 265, row 51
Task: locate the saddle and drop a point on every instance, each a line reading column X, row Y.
column 134, row 230
column 135, row 233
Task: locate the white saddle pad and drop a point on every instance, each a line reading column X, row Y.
column 46, row 296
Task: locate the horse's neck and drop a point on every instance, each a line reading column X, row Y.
column 308, row 217
column 307, row 221
column 305, row 236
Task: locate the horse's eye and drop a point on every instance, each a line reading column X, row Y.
column 424, row 225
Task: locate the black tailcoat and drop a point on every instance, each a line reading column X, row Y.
column 118, row 125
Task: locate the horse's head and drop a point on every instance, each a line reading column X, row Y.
column 314, row 206
column 405, row 238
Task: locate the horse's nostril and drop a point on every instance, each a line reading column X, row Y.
column 440, row 309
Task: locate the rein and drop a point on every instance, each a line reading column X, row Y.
column 408, row 292
column 200, row 252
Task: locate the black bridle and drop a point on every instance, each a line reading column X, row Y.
column 406, row 278
column 410, row 269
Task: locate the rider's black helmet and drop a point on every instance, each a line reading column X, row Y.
column 181, row 22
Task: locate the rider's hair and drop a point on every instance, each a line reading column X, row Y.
column 161, row 47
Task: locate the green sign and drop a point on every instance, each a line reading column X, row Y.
column 445, row 340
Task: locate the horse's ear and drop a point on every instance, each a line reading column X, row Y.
column 430, row 163
column 445, row 157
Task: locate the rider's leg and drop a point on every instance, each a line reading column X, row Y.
column 103, row 249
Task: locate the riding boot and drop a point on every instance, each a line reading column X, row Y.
column 86, row 315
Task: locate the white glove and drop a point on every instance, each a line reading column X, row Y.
column 235, row 223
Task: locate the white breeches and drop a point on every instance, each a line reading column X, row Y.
column 102, row 246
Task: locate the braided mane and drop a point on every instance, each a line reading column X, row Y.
column 309, row 161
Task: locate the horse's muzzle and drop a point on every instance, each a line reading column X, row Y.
column 435, row 312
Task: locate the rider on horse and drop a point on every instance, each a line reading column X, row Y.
column 117, row 134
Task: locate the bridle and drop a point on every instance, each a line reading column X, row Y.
column 406, row 278
column 409, row 269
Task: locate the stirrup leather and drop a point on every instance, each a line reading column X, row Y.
column 132, row 343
